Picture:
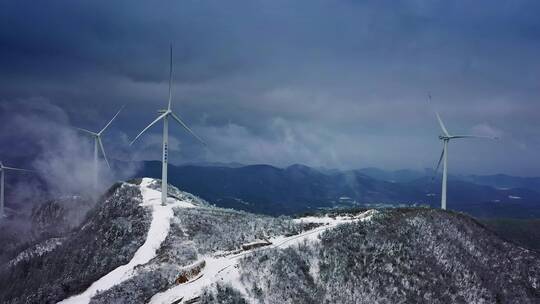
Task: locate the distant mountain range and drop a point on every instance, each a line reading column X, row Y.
column 298, row 188
column 500, row 181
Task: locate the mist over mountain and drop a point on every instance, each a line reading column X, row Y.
column 298, row 188
column 501, row 181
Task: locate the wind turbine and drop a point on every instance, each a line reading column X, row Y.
column 165, row 114
column 446, row 137
column 3, row 169
column 98, row 144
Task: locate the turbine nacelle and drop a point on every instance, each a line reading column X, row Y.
column 446, row 135
column 98, row 144
column 442, row 137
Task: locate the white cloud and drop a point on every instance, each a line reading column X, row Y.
column 485, row 129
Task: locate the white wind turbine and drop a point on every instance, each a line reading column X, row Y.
column 446, row 137
column 165, row 114
column 3, row 169
column 98, row 145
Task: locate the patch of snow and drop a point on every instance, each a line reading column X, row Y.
column 514, row 197
column 335, row 220
column 37, row 250
column 241, row 201
column 159, row 229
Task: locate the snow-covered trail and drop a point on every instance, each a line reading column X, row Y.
column 224, row 268
column 159, row 229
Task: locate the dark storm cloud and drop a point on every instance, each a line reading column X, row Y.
column 331, row 83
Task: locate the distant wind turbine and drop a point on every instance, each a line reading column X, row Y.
column 98, row 145
column 165, row 114
column 446, row 137
column 3, row 169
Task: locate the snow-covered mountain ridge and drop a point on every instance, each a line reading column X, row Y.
column 130, row 249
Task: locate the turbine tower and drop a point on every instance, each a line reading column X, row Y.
column 98, row 145
column 446, row 137
column 3, row 169
column 165, row 114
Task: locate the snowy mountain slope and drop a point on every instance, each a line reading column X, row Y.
column 133, row 250
column 200, row 240
column 157, row 232
column 108, row 238
column 56, row 217
column 37, row 250
column 400, row 256
column 224, row 268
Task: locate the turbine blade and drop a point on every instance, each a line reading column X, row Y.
column 86, row 131
column 170, row 79
column 443, row 128
column 16, row 169
column 107, row 125
column 187, row 128
column 472, row 136
column 103, row 152
column 439, row 163
column 150, row 125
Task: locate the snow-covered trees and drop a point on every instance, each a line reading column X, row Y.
column 401, row 256
column 215, row 229
column 390, row 256
column 107, row 239
column 196, row 232
column 282, row 275
column 221, row 294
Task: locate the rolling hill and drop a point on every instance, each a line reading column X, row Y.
column 131, row 249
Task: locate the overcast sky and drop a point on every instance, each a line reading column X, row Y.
column 339, row 84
